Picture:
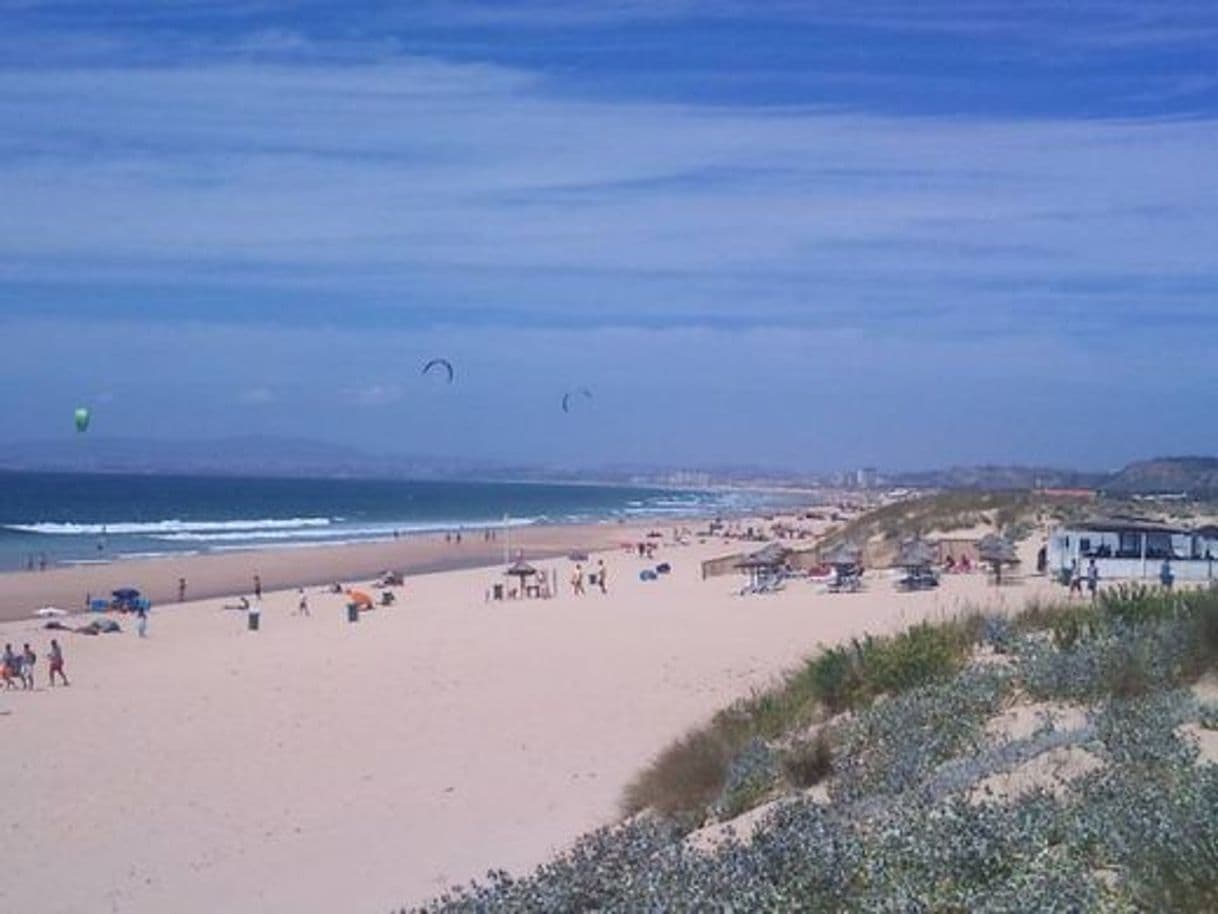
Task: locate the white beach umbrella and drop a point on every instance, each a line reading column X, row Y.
column 50, row 612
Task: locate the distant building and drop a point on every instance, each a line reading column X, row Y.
column 865, row 477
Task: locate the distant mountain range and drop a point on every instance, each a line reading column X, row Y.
column 285, row 457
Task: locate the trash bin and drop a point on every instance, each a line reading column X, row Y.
column 352, row 612
column 254, row 618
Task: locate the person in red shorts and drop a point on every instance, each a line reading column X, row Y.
column 55, row 661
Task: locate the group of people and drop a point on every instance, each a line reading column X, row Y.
column 19, row 667
column 598, row 578
column 964, row 566
column 1167, row 577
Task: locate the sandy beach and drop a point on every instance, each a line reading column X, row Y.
column 229, row 573
column 318, row 765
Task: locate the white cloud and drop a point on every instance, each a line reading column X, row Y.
column 376, row 395
column 257, row 396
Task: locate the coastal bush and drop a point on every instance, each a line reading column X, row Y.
column 751, row 775
column 687, row 776
column 807, row 762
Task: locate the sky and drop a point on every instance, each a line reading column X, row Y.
column 804, row 235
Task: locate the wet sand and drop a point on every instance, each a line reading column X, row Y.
column 228, row 573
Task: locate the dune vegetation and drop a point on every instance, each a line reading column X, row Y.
column 1058, row 760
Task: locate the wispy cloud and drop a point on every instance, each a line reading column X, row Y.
column 257, row 396
column 403, row 188
column 375, row 395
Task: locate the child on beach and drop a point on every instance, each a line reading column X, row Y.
column 55, row 661
column 302, row 608
column 141, row 625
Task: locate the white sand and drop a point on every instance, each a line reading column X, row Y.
column 322, row 766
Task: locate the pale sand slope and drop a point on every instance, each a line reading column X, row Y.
column 322, row 766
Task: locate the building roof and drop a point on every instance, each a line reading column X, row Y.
column 1123, row 525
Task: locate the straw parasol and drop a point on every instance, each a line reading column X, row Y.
column 915, row 553
column 770, row 556
column 522, row 570
column 997, row 551
column 844, row 554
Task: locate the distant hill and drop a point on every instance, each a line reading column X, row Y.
column 1189, row 475
column 999, row 477
column 1194, row 476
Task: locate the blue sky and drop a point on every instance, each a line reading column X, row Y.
column 798, row 234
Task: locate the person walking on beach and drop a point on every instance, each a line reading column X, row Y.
column 577, row 581
column 141, row 619
column 1166, row 577
column 55, row 662
column 1093, row 579
column 181, row 590
column 600, row 576
column 257, row 587
column 302, row 608
column 28, row 659
column 12, row 667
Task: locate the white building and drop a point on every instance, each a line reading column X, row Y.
column 1133, row 549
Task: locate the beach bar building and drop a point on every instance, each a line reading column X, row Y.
column 1127, row 549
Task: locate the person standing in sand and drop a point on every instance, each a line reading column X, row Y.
column 12, row 667
column 577, row 581
column 257, row 587
column 28, row 659
column 600, row 576
column 181, row 590
column 141, row 617
column 55, row 662
column 302, row 608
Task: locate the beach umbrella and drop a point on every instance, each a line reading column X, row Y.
column 577, row 556
column 50, row 612
column 915, row 553
column 997, row 551
column 767, row 557
column 522, row 570
column 81, row 418
column 844, row 554
column 125, row 593
column 359, row 598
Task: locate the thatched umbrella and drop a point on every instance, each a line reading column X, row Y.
column 844, row 554
column 997, row 551
column 915, row 553
column 523, row 570
column 764, row 561
column 770, row 556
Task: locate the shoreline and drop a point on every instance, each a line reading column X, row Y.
column 230, row 574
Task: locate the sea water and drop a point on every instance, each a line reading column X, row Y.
column 66, row 518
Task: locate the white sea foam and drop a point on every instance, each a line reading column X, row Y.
column 338, row 534
column 162, row 527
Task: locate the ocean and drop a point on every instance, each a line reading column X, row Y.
column 65, row 518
